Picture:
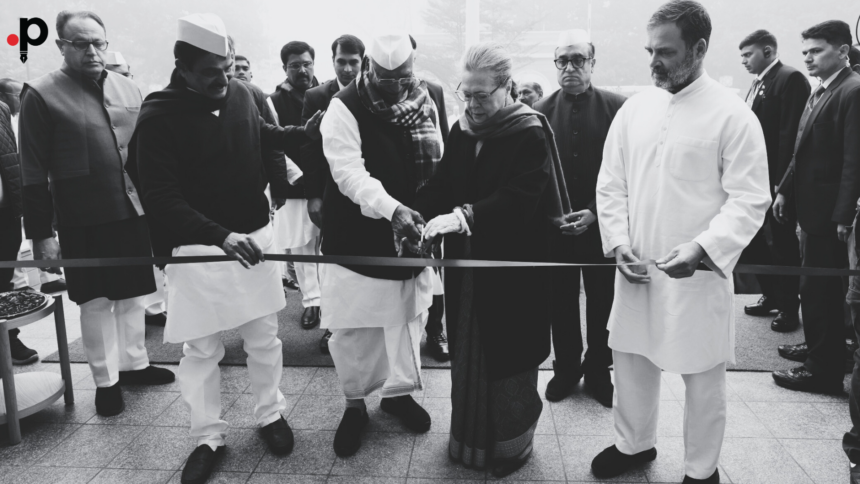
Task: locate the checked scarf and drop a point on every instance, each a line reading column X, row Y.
column 418, row 113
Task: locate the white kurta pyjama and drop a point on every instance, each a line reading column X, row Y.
column 376, row 323
column 679, row 168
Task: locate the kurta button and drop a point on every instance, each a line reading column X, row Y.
column 575, row 154
column 129, row 191
column 120, row 148
column 575, row 110
column 113, row 126
column 576, row 132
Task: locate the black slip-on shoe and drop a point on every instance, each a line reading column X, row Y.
column 714, row 479
column 150, row 375
column 311, row 317
column 200, row 464
column 324, row 342
column 601, row 388
column 505, row 467
column 347, row 439
column 159, row 319
column 21, row 354
column 562, row 383
column 801, row 379
column 798, row 352
column 412, row 415
column 109, row 401
column 785, row 322
column 278, row 436
column 763, row 307
column 612, row 463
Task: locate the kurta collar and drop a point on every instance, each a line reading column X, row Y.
column 83, row 79
column 692, row 89
column 581, row 96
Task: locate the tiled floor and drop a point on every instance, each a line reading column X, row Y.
column 774, row 436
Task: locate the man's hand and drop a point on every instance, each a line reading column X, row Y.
column 312, row 127
column 843, row 231
column 48, row 249
column 635, row 274
column 578, row 222
column 682, row 261
column 315, row 211
column 405, row 222
column 779, row 208
column 243, row 248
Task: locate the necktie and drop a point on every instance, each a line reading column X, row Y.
column 752, row 93
column 810, row 105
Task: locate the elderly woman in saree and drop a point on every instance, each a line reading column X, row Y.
column 497, row 194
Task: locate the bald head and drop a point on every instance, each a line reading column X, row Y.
column 10, row 93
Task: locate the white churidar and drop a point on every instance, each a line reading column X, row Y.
column 308, row 274
column 113, row 336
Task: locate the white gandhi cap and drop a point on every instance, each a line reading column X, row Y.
column 205, row 31
column 572, row 37
column 114, row 58
column 390, row 51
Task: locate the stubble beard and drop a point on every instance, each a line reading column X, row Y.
column 681, row 75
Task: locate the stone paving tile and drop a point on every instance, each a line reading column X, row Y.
column 760, row 461
column 312, row 454
column 91, row 446
column 838, row 415
column 367, row 480
column 9, row 474
column 157, row 448
column 295, row 379
column 822, row 460
column 241, row 413
column 582, row 415
column 83, row 410
column 176, row 415
column 317, row 412
column 284, row 479
column 440, row 414
column 544, row 465
column 324, row 382
column 577, row 453
column 244, row 450
column 220, row 478
column 668, row 467
column 54, row 475
column 128, row 476
column 141, row 408
column 37, row 439
column 742, row 422
column 437, row 383
column 430, row 460
column 412, row 480
column 795, row 420
column 546, row 423
column 234, row 379
column 382, row 454
column 760, row 387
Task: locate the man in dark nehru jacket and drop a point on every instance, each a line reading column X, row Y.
column 200, row 149
column 777, row 97
column 75, row 126
column 580, row 114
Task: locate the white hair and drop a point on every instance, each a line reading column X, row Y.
column 491, row 57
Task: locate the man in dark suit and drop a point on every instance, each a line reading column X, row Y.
column 824, row 181
column 777, row 97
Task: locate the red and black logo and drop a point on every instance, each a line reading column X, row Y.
column 25, row 39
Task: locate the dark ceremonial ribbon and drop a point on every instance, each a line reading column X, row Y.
column 400, row 262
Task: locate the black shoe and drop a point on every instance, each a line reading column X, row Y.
column 505, row 467
column 324, row 342
column 855, row 474
column 763, row 307
column 54, row 286
column 412, row 415
column 562, row 383
column 278, row 436
column 290, row 284
column 147, row 376
column 850, row 349
column 612, row 463
column 601, row 387
column 200, row 464
column 347, row 439
column 801, row 379
column 784, row 323
column 797, row 352
column 714, row 479
column 21, row 355
column 159, row 319
column 311, row 317
column 109, row 401
column 437, row 344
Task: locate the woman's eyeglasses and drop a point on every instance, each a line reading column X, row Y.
column 481, row 97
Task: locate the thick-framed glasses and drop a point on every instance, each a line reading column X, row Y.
column 101, row 45
column 300, row 65
column 576, row 62
column 403, row 81
column 481, row 97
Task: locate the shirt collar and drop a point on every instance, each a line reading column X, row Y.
column 827, row 82
column 340, row 86
column 767, row 69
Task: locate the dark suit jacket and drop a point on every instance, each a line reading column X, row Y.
column 314, row 164
column 10, row 168
column 779, row 104
column 824, row 175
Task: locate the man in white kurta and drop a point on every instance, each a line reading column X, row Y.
column 684, row 180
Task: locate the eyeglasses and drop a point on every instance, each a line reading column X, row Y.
column 403, row 81
column 101, row 45
column 577, row 62
column 481, row 97
column 300, row 65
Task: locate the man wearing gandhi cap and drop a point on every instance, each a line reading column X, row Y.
column 580, row 115
column 202, row 153
column 382, row 137
column 115, row 62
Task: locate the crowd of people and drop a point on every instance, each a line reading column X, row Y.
column 660, row 195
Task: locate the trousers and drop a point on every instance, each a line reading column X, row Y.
column 200, row 379
column 851, row 439
column 636, row 405
column 783, row 250
column 113, row 336
column 307, row 274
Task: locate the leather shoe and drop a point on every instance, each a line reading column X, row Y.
column 290, row 284
column 505, row 467
column 855, row 473
column 437, row 344
column 785, row 322
column 801, row 379
column 797, row 352
column 200, row 464
column 347, row 439
column 562, row 383
column 148, row 376
column 324, row 342
column 278, row 436
column 311, row 317
column 412, row 415
column 159, row 319
column 612, row 463
column 763, row 307
column 109, row 401
column 714, row 479
column 601, row 387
